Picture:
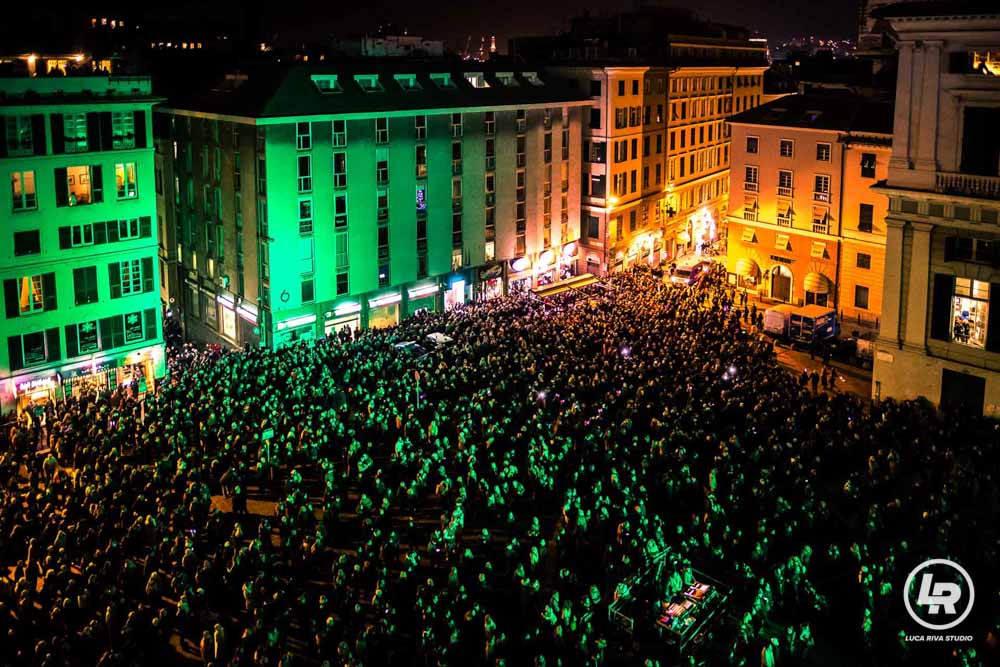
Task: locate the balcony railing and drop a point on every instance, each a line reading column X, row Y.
column 821, row 196
column 784, row 221
column 750, row 187
column 820, row 228
column 784, row 192
column 969, row 185
column 750, row 215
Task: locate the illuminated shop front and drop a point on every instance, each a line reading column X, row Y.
column 970, row 312
column 457, row 292
column 699, row 234
column 490, row 282
column 647, row 248
column 545, row 268
column 249, row 320
column 422, row 297
column 35, row 389
column 107, row 373
column 383, row 311
column 294, row 329
column 344, row 315
column 227, row 306
column 519, row 276
column 568, row 259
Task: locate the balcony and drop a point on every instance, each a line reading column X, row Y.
column 968, row 185
column 784, row 192
column 821, row 196
column 820, row 228
column 784, row 221
column 750, row 214
column 750, row 187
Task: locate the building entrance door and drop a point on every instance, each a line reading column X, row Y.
column 781, row 283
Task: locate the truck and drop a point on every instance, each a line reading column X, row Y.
column 813, row 323
column 777, row 320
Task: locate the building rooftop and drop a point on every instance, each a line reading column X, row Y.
column 928, row 8
column 374, row 87
column 96, row 88
column 842, row 112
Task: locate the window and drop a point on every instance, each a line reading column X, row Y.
column 753, row 144
column 82, row 235
column 383, row 275
column 595, row 119
column 784, row 183
column 85, row 285
column 27, row 243
column 75, row 132
column 421, row 160
column 970, row 312
column 621, row 87
column 19, row 136
column 340, row 170
column 339, row 133
column 368, row 82
column 305, row 173
column 786, row 148
column 125, row 179
column 382, row 204
column 456, row 125
column 76, row 186
column 593, row 228
column 308, row 289
column 33, row 348
column 30, row 294
column 822, row 152
column 866, row 216
column 490, row 123
column 456, row 157
column 306, row 255
column 128, row 229
column 595, row 87
column 868, row 165
column 340, row 211
column 476, row 80
column 123, row 129
column 381, row 130
column 750, row 178
column 381, row 170
column 342, row 283
column 443, row 80
column 303, row 136
column 130, row 277
column 408, row 82
column 305, row 215
column 821, row 191
column 22, row 184
column 635, row 86
column 327, row 83
column 863, row 261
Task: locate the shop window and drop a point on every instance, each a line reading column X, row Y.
column 970, row 312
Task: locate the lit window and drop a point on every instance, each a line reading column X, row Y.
column 970, row 312
column 125, row 179
column 22, row 185
column 75, row 132
column 31, row 298
column 131, row 276
column 476, row 80
column 442, row 80
column 327, row 83
column 407, row 82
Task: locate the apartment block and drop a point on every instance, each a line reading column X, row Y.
column 78, row 250
column 805, row 226
column 307, row 199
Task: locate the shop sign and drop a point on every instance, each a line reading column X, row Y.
column 783, row 260
column 490, row 272
column 133, row 327
column 88, row 369
column 35, row 384
column 87, row 337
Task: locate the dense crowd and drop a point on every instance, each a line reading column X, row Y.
column 351, row 501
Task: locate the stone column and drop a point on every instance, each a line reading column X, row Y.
column 893, row 282
column 919, row 289
column 930, row 81
column 905, row 101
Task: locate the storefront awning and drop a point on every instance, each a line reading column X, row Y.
column 817, row 283
column 747, row 268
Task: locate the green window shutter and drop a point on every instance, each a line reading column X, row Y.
column 93, row 131
column 58, row 135
column 147, row 274
column 115, row 278
column 10, row 298
column 72, row 348
column 49, row 291
column 145, row 227
column 100, row 233
column 62, row 188
column 52, row 350
column 140, row 129
column 149, row 320
column 14, row 353
column 96, row 183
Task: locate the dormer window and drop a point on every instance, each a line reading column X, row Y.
column 442, row 80
column 507, row 79
column 532, row 78
column 368, row 82
column 476, row 80
column 327, row 83
column 407, row 82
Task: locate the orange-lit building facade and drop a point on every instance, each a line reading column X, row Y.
column 804, row 227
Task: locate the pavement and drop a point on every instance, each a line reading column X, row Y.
column 851, row 379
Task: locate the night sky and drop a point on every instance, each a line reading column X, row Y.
column 452, row 21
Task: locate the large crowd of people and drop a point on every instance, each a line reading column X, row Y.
column 351, row 501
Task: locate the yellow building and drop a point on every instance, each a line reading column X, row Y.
column 804, row 227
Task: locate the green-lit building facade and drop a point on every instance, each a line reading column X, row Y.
column 301, row 200
column 78, row 244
